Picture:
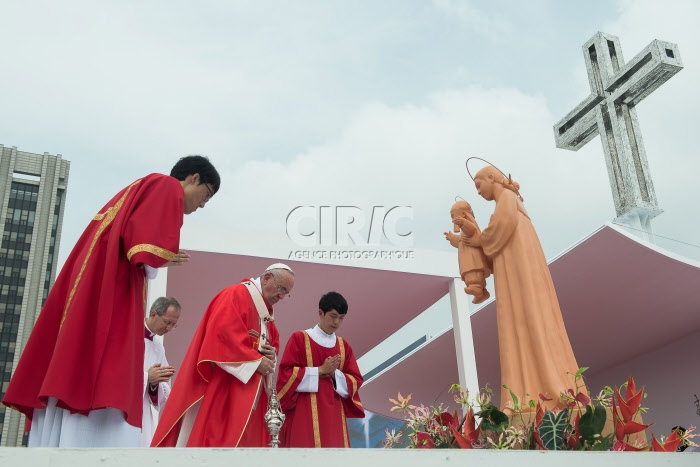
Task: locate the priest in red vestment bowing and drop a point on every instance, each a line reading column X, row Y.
column 80, row 377
column 318, row 382
column 219, row 398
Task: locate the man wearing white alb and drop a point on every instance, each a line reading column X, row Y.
column 162, row 319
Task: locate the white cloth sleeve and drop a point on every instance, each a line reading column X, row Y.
column 243, row 372
column 151, row 273
column 163, row 394
column 309, row 383
column 341, row 384
column 163, row 391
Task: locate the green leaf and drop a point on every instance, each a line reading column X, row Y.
column 552, row 430
column 591, row 423
column 604, row 444
column 516, row 401
column 493, row 419
column 581, row 370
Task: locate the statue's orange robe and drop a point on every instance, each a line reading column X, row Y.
column 229, row 333
column 534, row 347
column 317, row 419
column 86, row 348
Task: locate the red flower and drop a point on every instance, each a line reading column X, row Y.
column 670, row 445
column 625, row 426
column 630, row 404
column 424, row 441
column 448, row 420
column 573, row 439
column 622, row 446
column 469, row 431
column 538, row 421
column 581, row 397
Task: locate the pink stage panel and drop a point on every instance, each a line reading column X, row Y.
column 380, row 302
column 620, row 299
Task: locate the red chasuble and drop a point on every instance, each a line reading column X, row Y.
column 317, row 419
column 229, row 333
column 86, row 348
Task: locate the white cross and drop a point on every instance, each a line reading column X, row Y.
column 616, row 88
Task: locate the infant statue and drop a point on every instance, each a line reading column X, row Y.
column 474, row 267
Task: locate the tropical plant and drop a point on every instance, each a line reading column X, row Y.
column 577, row 424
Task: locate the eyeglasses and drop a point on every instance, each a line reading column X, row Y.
column 169, row 324
column 281, row 290
column 210, row 193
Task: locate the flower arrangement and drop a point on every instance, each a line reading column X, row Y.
column 579, row 425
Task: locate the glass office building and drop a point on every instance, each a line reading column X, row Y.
column 32, row 200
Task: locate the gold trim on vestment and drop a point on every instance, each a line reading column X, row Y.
column 342, row 408
column 212, row 362
column 153, row 249
column 145, row 294
column 286, row 387
column 342, row 353
column 314, row 402
column 107, row 219
column 354, row 391
column 178, row 419
column 250, row 412
column 307, row 345
column 346, row 442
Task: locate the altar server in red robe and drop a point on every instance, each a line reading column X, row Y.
column 80, row 377
column 318, row 382
column 219, row 397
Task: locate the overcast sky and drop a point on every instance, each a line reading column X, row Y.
column 359, row 103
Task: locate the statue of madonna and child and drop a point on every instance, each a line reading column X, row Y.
column 535, row 353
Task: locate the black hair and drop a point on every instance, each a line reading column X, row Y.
column 190, row 165
column 333, row 301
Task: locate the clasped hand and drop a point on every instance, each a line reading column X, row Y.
column 329, row 365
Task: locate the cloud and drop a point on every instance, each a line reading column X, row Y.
column 667, row 117
column 494, row 27
column 415, row 155
column 333, row 104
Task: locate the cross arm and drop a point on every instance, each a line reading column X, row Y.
column 579, row 126
column 642, row 75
